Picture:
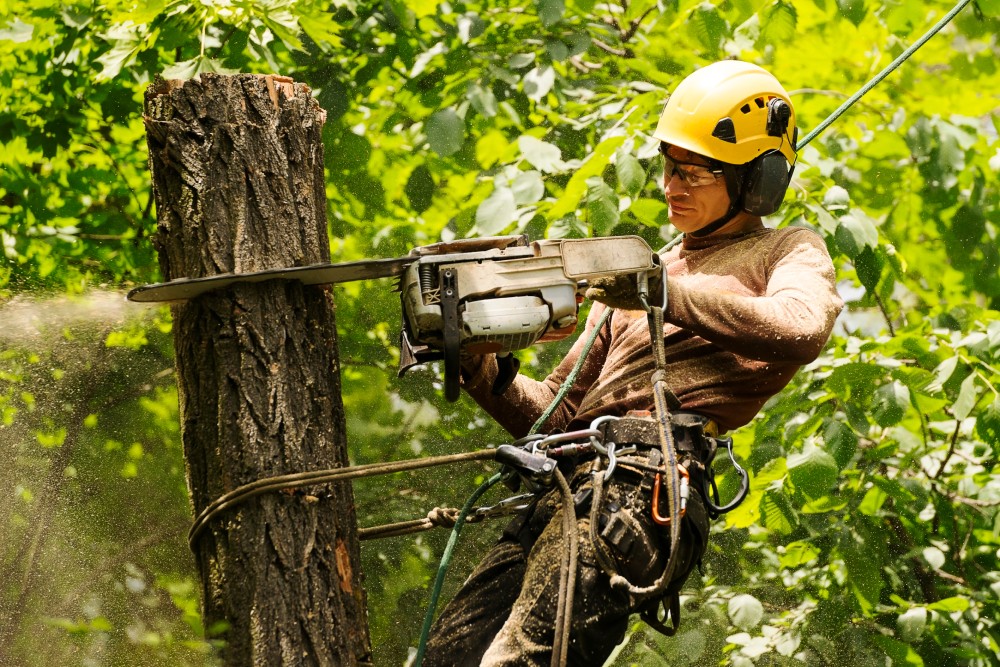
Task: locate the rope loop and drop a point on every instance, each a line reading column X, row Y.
column 445, row 517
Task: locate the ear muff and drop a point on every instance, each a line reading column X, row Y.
column 769, row 174
column 767, row 179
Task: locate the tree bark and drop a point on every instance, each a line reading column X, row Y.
column 237, row 170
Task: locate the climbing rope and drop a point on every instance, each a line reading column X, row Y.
column 326, row 476
column 875, row 80
column 449, row 551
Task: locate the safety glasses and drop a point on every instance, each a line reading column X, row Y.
column 693, row 175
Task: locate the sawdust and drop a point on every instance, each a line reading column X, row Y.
column 28, row 320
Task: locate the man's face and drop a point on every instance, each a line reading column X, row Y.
column 696, row 195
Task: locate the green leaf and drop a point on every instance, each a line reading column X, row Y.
column 868, row 265
column 863, row 573
column 445, row 131
column 285, row 27
column 602, row 206
column 420, row 188
column 594, row 166
column 709, row 26
column 967, row 396
column 482, row 100
column 125, row 45
column 322, row 28
column 745, row 611
column 901, row 654
column 779, row 24
column 989, row 7
column 942, row 373
column 631, row 175
column 496, row 212
column 813, row 472
column 911, row 623
column 836, row 199
column 855, row 233
column 950, row 605
column 798, row 553
column 934, row 557
column 17, row 31
column 528, row 187
column 470, row 26
column 873, row 501
column 519, row 60
column 853, row 10
column 541, row 155
column 538, row 82
column 890, row 403
column 551, row 11
column 988, row 425
column 777, row 514
column 650, row 212
column 824, row 504
column 841, row 442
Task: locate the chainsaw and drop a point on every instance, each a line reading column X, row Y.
column 470, row 297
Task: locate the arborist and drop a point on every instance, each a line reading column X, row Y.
column 745, row 306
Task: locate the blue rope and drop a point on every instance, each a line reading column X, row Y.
column 884, row 73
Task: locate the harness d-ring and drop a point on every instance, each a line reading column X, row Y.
column 685, row 485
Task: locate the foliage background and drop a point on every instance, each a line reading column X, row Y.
column 871, row 533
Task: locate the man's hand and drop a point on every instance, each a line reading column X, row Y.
column 622, row 291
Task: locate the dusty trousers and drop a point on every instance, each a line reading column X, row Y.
column 504, row 614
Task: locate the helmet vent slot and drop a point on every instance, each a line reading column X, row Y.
column 745, row 108
column 759, row 101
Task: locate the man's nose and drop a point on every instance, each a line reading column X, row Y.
column 674, row 184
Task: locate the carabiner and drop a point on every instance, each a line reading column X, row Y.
column 714, row 509
column 685, row 490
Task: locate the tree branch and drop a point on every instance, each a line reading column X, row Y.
column 951, row 450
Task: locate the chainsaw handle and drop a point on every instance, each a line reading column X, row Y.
column 452, row 333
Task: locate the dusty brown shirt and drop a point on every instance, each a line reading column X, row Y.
column 745, row 312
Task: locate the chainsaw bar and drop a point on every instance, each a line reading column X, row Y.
column 314, row 274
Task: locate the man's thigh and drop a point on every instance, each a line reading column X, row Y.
column 469, row 622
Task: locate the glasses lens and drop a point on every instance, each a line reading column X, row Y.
column 691, row 174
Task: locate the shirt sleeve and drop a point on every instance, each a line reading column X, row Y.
column 526, row 399
column 790, row 322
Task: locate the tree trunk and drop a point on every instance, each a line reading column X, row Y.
column 237, row 168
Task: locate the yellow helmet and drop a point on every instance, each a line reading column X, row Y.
column 730, row 111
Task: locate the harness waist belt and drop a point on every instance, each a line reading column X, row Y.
column 689, row 429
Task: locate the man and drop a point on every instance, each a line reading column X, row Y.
column 746, row 307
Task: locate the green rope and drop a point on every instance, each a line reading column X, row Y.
column 449, row 551
column 571, row 378
column 884, row 73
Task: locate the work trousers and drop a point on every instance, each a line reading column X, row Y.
column 504, row 614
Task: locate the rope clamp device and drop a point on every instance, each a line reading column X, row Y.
column 536, row 470
column 685, row 490
column 505, row 506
